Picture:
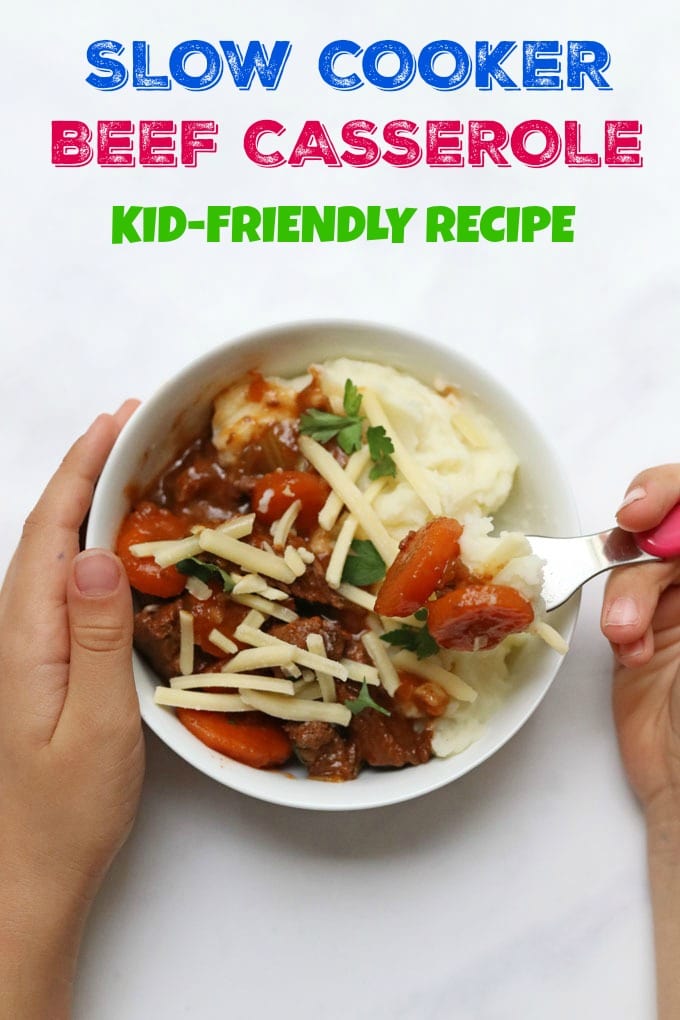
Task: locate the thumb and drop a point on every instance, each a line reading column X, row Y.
column 101, row 685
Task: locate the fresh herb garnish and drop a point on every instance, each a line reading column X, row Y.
column 205, row 572
column 364, row 564
column 324, row 426
column 381, row 448
column 364, row 700
column 421, row 614
column 414, row 639
column 351, row 399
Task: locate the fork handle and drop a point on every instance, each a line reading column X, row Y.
column 663, row 540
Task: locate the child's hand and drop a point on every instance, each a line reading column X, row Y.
column 641, row 618
column 71, row 748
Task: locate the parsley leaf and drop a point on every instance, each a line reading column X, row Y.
column 324, row 426
column 364, row 700
column 205, row 572
column 381, row 448
column 321, row 425
column 349, row 438
column 364, row 564
column 351, row 400
column 414, row 639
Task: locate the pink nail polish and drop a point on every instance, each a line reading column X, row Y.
column 96, row 573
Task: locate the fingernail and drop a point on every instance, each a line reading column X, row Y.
column 123, row 406
column 623, row 612
column 96, row 573
column 632, row 497
column 97, row 421
column 633, row 650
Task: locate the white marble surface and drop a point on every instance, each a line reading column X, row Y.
column 520, row 891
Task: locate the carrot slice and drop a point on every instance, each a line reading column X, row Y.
column 151, row 523
column 478, row 616
column 248, row 737
column 425, row 560
column 274, row 493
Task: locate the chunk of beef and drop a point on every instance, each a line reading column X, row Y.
column 157, row 637
column 309, row 737
column 338, row 760
column 385, row 740
column 297, row 632
column 326, row 754
column 197, row 486
column 334, row 753
column 313, row 587
column 355, row 650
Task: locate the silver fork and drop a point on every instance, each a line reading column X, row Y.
column 570, row 562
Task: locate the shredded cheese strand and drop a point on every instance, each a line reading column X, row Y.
column 291, row 670
column 469, row 430
column 359, row 671
column 237, row 527
column 274, row 594
column 280, row 529
column 258, row 658
column 142, row 549
column 315, row 644
column 253, row 619
column 389, row 678
column 297, row 709
column 359, row 596
column 451, row 683
column 408, row 467
column 200, row 700
column 309, row 689
column 257, row 561
column 168, row 551
column 251, row 584
column 292, row 557
column 336, row 564
column 249, row 636
column 265, row 606
column 329, row 468
column 198, row 588
column 330, row 511
column 222, row 641
column 249, row 681
column 551, row 636
column 186, row 642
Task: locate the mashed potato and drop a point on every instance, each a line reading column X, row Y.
column 470, row 470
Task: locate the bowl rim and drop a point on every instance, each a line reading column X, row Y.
column 245, row 779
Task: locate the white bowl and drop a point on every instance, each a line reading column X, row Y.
column 541, row 502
